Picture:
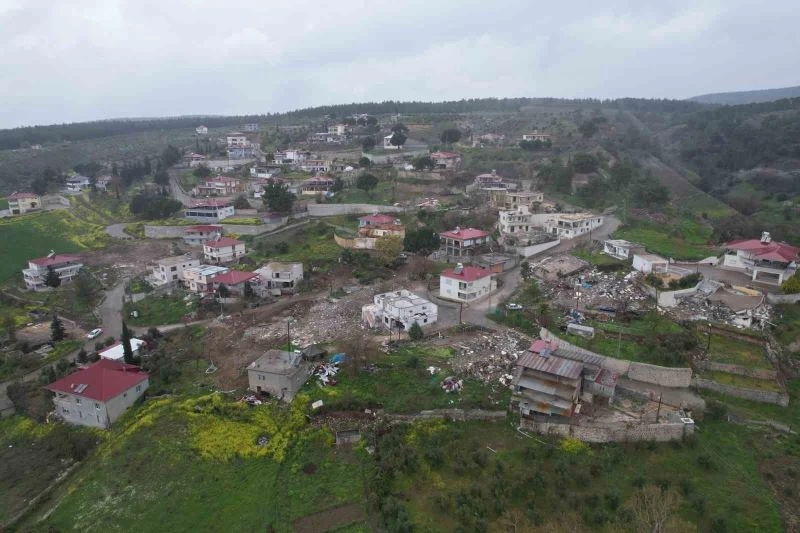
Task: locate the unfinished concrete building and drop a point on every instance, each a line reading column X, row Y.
column 399, row 310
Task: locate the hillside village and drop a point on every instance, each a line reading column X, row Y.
column 378, row 310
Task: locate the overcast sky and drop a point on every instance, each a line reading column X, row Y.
column 65, row 61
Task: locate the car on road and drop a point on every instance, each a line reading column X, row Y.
column 514, row 307
column 95, row 333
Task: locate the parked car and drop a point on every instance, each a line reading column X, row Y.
column 514, row 307
column 95, row 333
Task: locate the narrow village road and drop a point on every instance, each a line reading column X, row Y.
column 118, row 231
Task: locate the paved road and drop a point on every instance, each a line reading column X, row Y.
column 118, row 231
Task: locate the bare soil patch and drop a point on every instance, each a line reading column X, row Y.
column 330, row 519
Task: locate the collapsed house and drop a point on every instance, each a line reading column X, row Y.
column 399, row 309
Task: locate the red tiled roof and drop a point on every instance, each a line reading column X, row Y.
column 379, row 219
column 468, row 273
column 104, row 380
column 464, row 234
column 203, row 228
column 223, row 242
column 444, row 155
column 55, row 260
column 772, row 251
column 233, row 277
column 21, row 195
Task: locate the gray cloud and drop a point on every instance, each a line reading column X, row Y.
column 85, row 59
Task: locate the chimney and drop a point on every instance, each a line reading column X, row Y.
column 459, row 269
column 494, row 172
column 455, row 231
column 765, row 238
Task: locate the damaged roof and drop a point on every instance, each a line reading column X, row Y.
column 558, row 366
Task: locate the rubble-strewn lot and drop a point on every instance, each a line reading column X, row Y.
column 488, row 356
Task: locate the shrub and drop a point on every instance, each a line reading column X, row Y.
column 415, row 332
column 705, row 462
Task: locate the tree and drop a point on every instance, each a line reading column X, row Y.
column 365, row 162
column 399, row 127
column 584, row 163
column 389, row 248
column 127, row 351
column 338, row 185
column 278, row 198
column 223, row 291
column 525, row 270
column 422, row 162
column 83, row 357
column 241, row 202
column 368, row 143
column 248, row 291
column 161, row 177
column 451, row 135
column 202, row 172
column 9, row 326
column 792, row 285
column 415, row 332
column 648, row 192
column 398, row 139
column 653, row 509
column 366, row 182
column 57, row 331
column 422, row 240
column 52, row 279
column 148, row 168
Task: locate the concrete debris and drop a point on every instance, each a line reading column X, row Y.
column 451, row 384
column 325, row 374
column 317, row 404
column 251, row 400
column 489, row 357
column 433, row 370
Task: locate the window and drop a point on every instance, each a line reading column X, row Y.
column 65, row 410
column 96, row 405
column 173, row 269
column 78, row 401
column 125, row 395
column 138, row 388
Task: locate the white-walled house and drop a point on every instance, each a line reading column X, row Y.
column 223, row 250
column 66, row 266
column 201, row 130
column 210, row 210
column 766, row 261
column 650, row 263
column 116, row 352
column 198, row 279
column 278, row 278
column 621, row 249
column 98, row 394
column 197, row 235
column 20, row 203
column 466, row 283
column 518, row 220
column 571, row 225
column 170, row 269
column 399, row 309
column 463, row 242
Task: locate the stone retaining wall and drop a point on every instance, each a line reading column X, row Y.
column 450, row 414
column 330, row 210
column 762, row 396
column 164, row 232
column 618, row 432
column 783, row 298
column 758, row 373
column 176, row 232
column 660, row 375
column 359, row 243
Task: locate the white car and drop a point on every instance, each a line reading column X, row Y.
column 95, row 333
column 514, row 307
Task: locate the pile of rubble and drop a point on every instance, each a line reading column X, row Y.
column 703, row 309
column 489, row 357
column 598, row 289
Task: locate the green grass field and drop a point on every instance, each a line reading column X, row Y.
column 686, row 240
column 30, row 236
column 742, row 381
column 3, row 203
column 596, row 258
column 733, row 351
column 156, row 310
column 787, row 321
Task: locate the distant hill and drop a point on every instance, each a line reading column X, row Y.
column 748, row 97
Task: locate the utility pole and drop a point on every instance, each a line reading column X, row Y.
column 288, row 336
column 708, row 344
column 460, row 309
column 658, row 412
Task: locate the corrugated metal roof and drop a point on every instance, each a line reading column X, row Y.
column 552, row 365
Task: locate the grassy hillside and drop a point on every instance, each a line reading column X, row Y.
column 34, row 235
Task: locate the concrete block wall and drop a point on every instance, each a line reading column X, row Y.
column 777, row 398
column 619, row 432
column 527, row 251
column 660, row 375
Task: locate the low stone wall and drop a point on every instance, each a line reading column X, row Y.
column 527, row 251
column 164, row 232
column 176, row 232
column 762, row 396
column 330, row 210
column 617, row 432
column 758, row 373
column 660, row 375
column 783, row 298
column 359, row 243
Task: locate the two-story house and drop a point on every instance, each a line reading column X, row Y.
column 170, row 269
column 198, row 279
column 466, row 283
column 518, row 220
column 764, row 260
column 463, row 243
column 220, row 186
column 20, row 203
column 571, row 225
column 210, row 210
column 98, row 394
column 278, row 278
column 446, row 160
column 66, row 266
column 197, row 235
column 233, row 280
column 223, row 250
column 399, row 310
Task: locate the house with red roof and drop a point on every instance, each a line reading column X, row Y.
column 219, row 186
column 765, row 260
column 234, row 280
column 466, row 283
column 463, row 242
column 446, row 160
column 20, row 203
column 200, row 234
column 98, row 394
column 223, row 250
column 66, row 266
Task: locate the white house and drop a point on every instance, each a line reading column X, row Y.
column 466, row 283
column 650, row 263
column 399, row 310
column 20, row 203
column 621, row 249
column 170, row 269
column 260, row 172
column 201, row 130
column 278, row 278
column 116, row 352
column 279, row 373
column 766, row 261
column 210, row 210
column 77, row 183
column 198, row 279
column 251, row 127
column 223, row 250
column 66, row 266
column 98, row 394
column 387, row 143
column 237, row 140
column 571, row 225
column 518, row 220
column 536, row 136
column 514, row 199
column 197, row 235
